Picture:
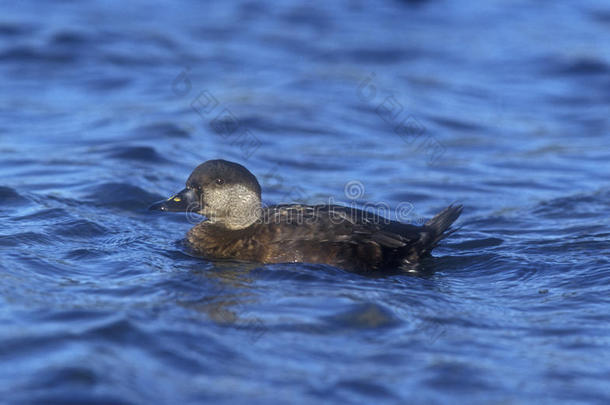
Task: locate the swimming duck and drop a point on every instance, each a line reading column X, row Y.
column 238, row 227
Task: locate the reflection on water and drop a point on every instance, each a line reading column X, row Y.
column 229, row 293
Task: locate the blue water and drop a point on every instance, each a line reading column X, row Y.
column 503, row 106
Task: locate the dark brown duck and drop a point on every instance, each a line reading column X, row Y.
column 239, row 227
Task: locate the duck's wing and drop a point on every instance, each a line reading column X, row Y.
column 349, row 237
column 335, row 223
column 356, row 225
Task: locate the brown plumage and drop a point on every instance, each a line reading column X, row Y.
column 238, row 227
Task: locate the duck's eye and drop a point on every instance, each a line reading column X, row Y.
column 220, row 181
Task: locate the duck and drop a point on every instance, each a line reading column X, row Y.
column 236, row 226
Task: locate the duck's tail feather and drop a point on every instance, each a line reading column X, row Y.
column 438, row 227
column 433, row 231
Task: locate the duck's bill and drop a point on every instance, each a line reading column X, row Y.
column 186, row 200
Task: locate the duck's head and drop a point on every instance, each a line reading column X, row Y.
column 224, row 192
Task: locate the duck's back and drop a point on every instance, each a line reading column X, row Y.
column 341, row 236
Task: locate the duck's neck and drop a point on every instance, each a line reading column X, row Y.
column 240, row 215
